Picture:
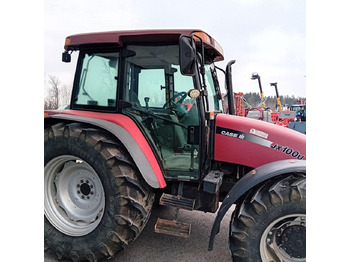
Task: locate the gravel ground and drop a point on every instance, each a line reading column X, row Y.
column 151, row 246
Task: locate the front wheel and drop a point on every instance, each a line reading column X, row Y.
column 270, row 223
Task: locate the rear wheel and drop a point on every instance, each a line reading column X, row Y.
column 96, row 201
column 270, row 223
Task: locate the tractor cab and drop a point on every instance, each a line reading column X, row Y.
column 145, row 82
column 158, row 94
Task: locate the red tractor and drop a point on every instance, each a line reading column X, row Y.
column 145, row 122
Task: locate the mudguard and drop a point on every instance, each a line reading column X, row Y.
column 253, row 178
column 129, row 134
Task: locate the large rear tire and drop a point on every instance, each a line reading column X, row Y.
column 270, row 223
column 96, row 201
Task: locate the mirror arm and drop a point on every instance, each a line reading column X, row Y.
column 222, row 70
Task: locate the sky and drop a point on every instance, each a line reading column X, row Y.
column 263, row 36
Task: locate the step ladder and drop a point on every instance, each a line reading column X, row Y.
column 173, row 227
column 176, row 201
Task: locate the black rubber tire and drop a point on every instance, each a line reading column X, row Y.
column 128, row 198
column 274, row 200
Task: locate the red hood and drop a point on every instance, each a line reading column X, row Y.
column 253, row 143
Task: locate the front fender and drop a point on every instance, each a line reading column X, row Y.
column 253, row 178
column 123, row 128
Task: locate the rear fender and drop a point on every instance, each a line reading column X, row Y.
column 253, row 178
column 123, row 128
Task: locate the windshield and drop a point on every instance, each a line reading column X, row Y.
column 212, row 86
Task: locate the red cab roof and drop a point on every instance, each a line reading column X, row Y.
column 120, row 38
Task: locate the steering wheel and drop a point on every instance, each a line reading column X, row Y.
column 179, row 110
column 181, row 96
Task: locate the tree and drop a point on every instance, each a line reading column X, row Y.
column 65, row 94
column 271, row 101
column 52, row 100
column 56, row 94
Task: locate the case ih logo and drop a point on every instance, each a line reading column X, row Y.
column 244, row 136
column 231, row 134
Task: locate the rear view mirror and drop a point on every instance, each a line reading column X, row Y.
column 66, row 57
column 187, row 55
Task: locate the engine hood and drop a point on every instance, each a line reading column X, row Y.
column 253, row 143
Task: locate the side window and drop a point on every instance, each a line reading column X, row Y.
column 98, row 80
column 150, row 83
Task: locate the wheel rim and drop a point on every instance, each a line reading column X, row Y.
column 74, row 196
column 285, row 239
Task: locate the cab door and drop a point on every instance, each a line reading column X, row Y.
column 157, row 92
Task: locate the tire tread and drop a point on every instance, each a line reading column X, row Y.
column 288, row 189
column 133, row 196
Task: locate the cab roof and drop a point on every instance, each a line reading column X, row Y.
column 120, row 38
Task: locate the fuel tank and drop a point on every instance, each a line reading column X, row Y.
column 253, row 143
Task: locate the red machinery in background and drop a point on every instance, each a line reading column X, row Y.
column 239, row 104
column 280, row 117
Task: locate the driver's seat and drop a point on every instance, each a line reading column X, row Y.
column 180, row 139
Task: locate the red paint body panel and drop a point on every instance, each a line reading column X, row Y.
column 256, row 143
column 129, row 125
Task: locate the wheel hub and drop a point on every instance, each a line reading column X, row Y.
column 85, row 189
column 293, row 241
column 74, row 196
column 285, row 240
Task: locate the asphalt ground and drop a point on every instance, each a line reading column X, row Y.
column 155, row 247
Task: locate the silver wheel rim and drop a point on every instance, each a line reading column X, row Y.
column 270, row 248
column 74, row 196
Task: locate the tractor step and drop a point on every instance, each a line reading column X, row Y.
column 177, row 201
column 173, row 228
